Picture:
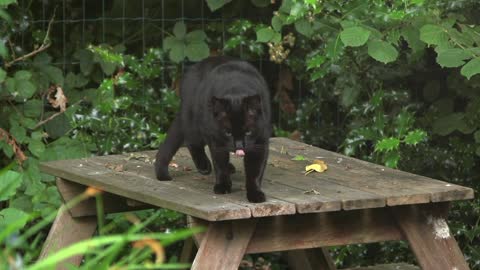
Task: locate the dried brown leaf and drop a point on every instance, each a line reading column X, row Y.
column 57, row 98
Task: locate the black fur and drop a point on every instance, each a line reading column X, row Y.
column 225, row 104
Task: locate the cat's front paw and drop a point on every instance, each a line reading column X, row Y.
column 222, row 188
column 256, row 196
column 162, row 173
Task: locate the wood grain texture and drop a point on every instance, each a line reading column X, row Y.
column 348, row 184
column 397, row 186
column 429, row 237
column 65, row 231
column 224, row 244
column 112, row 203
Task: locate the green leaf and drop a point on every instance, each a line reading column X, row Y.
column 315, row 61
column 5, row 16
column 277, row 23
column 58, row 126
column 265, row 34
column 387, row 144
column 304, row 27
column 169, row 43
column 216, row 4
column 19, row 133
column 86, row 60
column 7, row 2
column 12, row 217
column 452, row 57
column 177, row 52
column 433, row 34
column 36, row 147
column 196, row 36
column 412, row 36
column 382, row 51
column 55, row 74
column 299, row 157
column 3, row 49
column 448, row 124
column 180, row 29
column 471, row 68
column 414, row 137
column 391, row 159
column 25, row 88
column 476, row 136
column 3, row 75
column 9, row 182
column 354, row 36
column 22, row 75
column 197, row 51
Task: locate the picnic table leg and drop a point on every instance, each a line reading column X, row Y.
column 425, row 228
column 310, row 259
column 224, row 244
column 67, row 230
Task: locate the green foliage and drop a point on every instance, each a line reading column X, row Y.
column 182, row 44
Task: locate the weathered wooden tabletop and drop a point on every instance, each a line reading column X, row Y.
column 347, row 184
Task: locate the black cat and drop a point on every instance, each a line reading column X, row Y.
column 225, row 104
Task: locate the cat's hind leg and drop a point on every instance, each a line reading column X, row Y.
column 168, row 148
column 200, row 158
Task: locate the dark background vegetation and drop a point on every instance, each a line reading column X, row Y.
column 392, row 82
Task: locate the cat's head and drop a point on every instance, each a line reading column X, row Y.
column 239, row 120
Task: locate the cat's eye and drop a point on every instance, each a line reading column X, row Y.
column 248, row 133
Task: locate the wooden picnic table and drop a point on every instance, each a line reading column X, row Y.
column 352, row 202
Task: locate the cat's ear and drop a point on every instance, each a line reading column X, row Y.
column 253, row 104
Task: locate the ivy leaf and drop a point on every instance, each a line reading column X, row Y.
column 471, row 68
column 9, row 182
column 452, row 57
column 414, row 137
column 382, row 51
column 387, row 144
column 304, row 27
column 354, row 36
column 216, row 4
column 197, row 51
column 433, row 34
column 265, row 34
column 179, row 29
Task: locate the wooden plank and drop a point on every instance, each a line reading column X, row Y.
column 188, row 251
column 224, row 244
column 290, row 173
column 429, row 237
column 204, row 185
column 146, row 190
column 395, row 266
column 310, row 259
column 66, row 231
column 399, row 187
column 112, row 202
column 308, row 231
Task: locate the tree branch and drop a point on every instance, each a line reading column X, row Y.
column 45, row 45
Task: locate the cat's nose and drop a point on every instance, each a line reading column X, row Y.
column 239, row 144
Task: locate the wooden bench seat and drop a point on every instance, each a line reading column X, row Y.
column 396, row 266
